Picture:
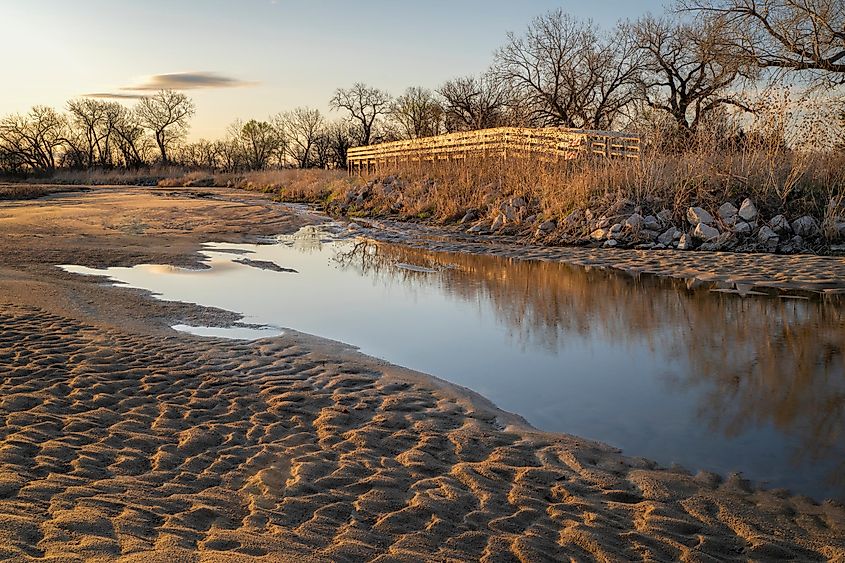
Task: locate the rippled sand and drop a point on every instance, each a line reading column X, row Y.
column 120, row 438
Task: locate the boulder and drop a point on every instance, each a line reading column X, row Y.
column 471, row 215
column 498, row 222
column 599, row 234
column 572, row 219
column 839, row 226
column 610, row 243
column 768, row 238
column 685, row 242
column 748, row 211
column 665, row 216
column 477, row 229
column 518, row 202
column 634, row 222
column 697, row 215
column 805, row 226
column 780, row 225
column 727, row 212
column 651, row 223
column 743, row 228
column 546, row 227
column 705, row 232
column 615, row 228
column 669, row 236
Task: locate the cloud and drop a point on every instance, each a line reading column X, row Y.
column 113, row 96
column 173, row 81
column 188, row 81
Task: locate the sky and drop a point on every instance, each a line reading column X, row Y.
column 254, row 58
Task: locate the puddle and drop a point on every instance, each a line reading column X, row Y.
column 707, row 380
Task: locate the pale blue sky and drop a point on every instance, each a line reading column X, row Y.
column 291, row 52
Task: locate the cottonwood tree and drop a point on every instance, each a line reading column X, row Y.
column 474, row 102
column 129, row 137
column 417, row 113
column 302, row 127
column 93, row 120
column 801, row 35
column 259, row 142
column 687, row 69
column 568, row 73
column 167, row 115
column 34, row 141
column 365, row 105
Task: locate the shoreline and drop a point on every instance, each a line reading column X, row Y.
column 605, row 482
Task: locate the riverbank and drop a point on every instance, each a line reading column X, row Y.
column 302, row 448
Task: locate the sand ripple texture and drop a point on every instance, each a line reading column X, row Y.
column 117, row 445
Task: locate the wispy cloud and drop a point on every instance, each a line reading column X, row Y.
column 173, row 81
column 113, row 96
column 188, row 81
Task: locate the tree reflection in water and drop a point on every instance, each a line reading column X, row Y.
column 757, row 361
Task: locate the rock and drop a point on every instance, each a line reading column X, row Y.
column 471, row 215
column 571, row 220
column 651, row 223
column 779, row 224
column 768, row 238
column 610, row 243
column 477, row 229
column 669, row 236
column 685, row 242
column 805, row 226
column 727, row 212
column 634, row 222
column 665, row 216
column 724, row 240
column 748, row 211
column 518, row 202
column 645, row 246
column 599, row 234
column 531, row 219
column 588, row 215
column 743, row 228
column 659, row 246
column 498, row 223
column 648, row 234
column 697, row 215
column 615, row 228
column 510, row 212
column 794, row 245
column 839, row 226
column 603, row 222
column 709, row 246
column 705, row 232
column 546, row 227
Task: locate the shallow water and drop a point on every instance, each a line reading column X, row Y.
column 705, row 380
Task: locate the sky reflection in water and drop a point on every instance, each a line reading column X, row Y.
column 706, row 380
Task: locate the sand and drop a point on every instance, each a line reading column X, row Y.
column 122, row 439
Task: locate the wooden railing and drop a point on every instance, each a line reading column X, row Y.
column 548, row 143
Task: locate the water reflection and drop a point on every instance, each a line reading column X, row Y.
column 707, row 380
column 754, row 362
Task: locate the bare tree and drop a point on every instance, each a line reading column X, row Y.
column 33, row 141
column 129, row 137
column 803, row 35
column 93, row 121
column 417, row 113
column 259, row 141
column 471, row 102
column 364, row 104
column 688, row 70
column 568, row 73
column 302, row 127
column 166, row 114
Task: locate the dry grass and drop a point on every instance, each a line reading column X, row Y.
column 147, row 176
column 11, row 192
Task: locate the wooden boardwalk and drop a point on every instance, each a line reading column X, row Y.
column 549, row 143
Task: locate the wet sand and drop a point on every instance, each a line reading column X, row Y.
column 121, row 438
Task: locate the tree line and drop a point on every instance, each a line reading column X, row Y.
column 676, row 72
